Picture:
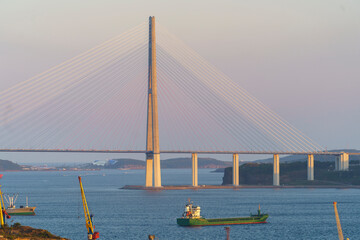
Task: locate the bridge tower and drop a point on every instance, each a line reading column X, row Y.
column 152, row 130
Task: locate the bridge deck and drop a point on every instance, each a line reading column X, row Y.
column 185, row 187
column 174, row 151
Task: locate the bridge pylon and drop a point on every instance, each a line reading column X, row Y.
column 152, row 130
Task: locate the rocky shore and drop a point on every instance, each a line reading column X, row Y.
column 18, row 232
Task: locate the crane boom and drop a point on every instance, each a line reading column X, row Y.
column 2, row 207
column 2, row 200
column 340, row 233
column 88, row 217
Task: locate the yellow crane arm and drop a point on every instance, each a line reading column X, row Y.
column 340, row 233
column 88, row 220
column 2, row 199
column 2, row 206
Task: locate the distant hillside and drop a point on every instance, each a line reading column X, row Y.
column 125, row 163
column 294, row 173
column 6, row 165
column 187, row 163
column 321, row 158
column 166, row 163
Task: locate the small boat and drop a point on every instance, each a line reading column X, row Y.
column 191, row 217
column 23, row 210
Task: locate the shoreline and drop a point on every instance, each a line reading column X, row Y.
column 186, row 187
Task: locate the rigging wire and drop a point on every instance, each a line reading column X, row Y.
column 97, row 100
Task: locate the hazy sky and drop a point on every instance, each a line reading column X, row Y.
column 301, row 58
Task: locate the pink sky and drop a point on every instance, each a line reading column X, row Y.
column 301, row 58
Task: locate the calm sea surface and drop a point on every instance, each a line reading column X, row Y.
column 133, row 214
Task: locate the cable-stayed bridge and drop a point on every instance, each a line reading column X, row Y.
column 145, row 91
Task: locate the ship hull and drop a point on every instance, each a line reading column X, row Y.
column 29, row 211
column 222, row 221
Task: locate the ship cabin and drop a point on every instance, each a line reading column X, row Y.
column 191, row 211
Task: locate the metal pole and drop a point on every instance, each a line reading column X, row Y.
column 227, row 229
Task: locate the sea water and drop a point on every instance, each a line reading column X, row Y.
column 134, row 214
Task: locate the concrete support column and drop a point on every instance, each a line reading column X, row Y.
column 194, row 158
column 149, row 172
column 236, row 169
column 337, row 163
column 345, row 158
column 310, row 168
column 157, row 170
column 342, row 162
column 276, row 173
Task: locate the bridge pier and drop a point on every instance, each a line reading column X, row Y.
column 236, row 169
column 194, row 159
column 276, row 173
column 346, row 161
column 337, row 163
column 342, row 162
column 157, row 170
column 310, row 167
column 149, row 172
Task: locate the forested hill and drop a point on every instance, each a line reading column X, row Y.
column 6, row 165
column 167, row 163
column 294, row 173
column 187, row 163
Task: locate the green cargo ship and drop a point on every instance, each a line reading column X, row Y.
column 191, row 217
